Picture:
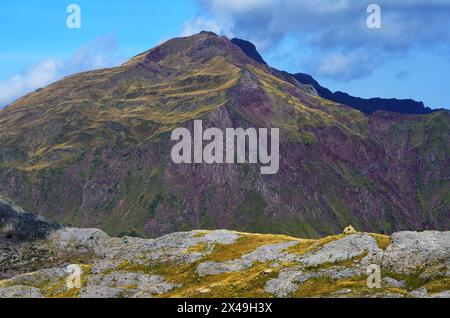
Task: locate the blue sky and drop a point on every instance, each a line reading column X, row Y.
column 409, row 57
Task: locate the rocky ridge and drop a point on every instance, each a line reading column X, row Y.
column 224, row 263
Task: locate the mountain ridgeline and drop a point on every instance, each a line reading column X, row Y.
column 93, row 150
column 368, row 106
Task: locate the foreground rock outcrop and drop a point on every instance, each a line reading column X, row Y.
column 218, row 263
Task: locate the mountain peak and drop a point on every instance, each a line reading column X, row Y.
column 249, row 49
column 206, row 33
column 200, row 46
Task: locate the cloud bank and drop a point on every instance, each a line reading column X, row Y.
column 340, row 45
column 100, row 53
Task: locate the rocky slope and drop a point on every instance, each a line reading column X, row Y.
column 93, row 150
column 222, row 263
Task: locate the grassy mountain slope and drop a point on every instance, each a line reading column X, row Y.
column 94, row 150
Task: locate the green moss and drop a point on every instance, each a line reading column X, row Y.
column 413, row 281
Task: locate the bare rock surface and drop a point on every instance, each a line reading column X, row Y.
column 222, row 263
column 411, row 250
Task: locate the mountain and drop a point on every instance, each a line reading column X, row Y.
column 221, row 264
column 94, row 150
column 368, row 106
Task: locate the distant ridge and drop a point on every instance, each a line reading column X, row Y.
column 368, row 106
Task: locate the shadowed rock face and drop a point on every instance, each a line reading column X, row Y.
column 249, row 49
column 232, row 264
column 21, row 234
column 17, row 225
column 93, row 150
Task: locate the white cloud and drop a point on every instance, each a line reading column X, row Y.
column 335, row 28
column 346, row 66
column 37, row 76
column 100, row 53
column 199, row 24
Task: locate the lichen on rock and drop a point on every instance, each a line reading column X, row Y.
column 226, row 263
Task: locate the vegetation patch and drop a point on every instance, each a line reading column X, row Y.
column 199, row 248
column 438, row 286
column 306, row 246
column 383, row 241
column 247, row 283
column 413, row 281
column 246, row 244
column 350, row 287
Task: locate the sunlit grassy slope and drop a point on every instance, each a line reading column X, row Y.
column 94, row 150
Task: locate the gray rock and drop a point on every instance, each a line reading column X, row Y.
column 391, row 282
column 100, row 292
column 287, row 282
column 344, row 291
column 444, row 294
column 41, row 277
column 341, row 272
column 173, row 247
column 410, row 251
column 271, row 252
column 129, row 284
column 261, row 254
column 18, row 225
column 419, row 293
column 349, row 247
column 20, row 291
column 215, row 268
column 83, row 240
column 115, row 262
column 221, row 237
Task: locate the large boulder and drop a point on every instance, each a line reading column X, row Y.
column 414, row 252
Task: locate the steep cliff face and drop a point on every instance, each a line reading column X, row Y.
column 93, row 150
column 225, row 263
